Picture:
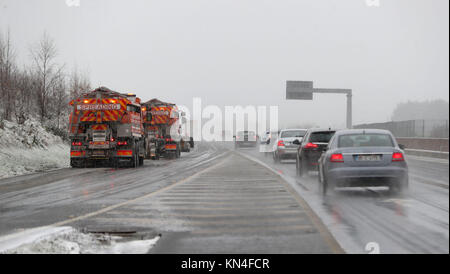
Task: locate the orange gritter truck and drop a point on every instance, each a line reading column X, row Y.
column 106, row 126
column 163, row 130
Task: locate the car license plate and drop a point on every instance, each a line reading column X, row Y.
column 98, row 153
column 363, row 158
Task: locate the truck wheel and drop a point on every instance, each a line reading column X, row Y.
column 133, row 160
column 136, row 157
column 115, row 163
column 156, row 157
column 75, row 164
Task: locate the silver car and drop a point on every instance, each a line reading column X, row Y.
column 284, row 147
column 362, row 158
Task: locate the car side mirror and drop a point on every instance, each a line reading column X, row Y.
column 297, row 142
column 402, row 147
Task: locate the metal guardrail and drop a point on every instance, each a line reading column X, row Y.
column 413, row 128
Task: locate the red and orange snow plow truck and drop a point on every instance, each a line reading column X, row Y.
column 106, row 126
column 163, row 129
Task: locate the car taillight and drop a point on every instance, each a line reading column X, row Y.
column 311, row 145
column 124, row 143
column 76, row 143
column 281, row 143
column 397, row 157
column 112, row 139
column 337, row 158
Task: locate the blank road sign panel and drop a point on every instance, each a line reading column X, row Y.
column 299, row 90
column 293, row 95
column 296, row 85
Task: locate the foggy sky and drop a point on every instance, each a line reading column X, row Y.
column 240, row 52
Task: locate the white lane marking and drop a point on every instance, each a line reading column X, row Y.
column 315, row 219
column 109, row 208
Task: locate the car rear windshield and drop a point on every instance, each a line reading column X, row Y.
column 365, row 140
column 321, row 137
column 293, row 133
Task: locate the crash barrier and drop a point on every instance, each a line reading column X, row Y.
column 413, row 128
column 428, row 147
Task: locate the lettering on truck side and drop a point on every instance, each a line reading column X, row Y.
column 99, row 107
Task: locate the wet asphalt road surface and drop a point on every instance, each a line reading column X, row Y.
column 416, row 221
column 59, row 196
column 220, row 200
column 236, row 206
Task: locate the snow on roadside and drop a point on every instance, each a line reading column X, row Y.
column 29, row 148
column 67, row 240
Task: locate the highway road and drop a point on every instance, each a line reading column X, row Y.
column 414, row 222
column 220, row 200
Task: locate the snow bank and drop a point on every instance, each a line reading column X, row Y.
column 30, row 148
column 66, row 240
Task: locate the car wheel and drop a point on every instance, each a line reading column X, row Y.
column 326, row 185
column 275, row 157
column 399, row 187
column 300, row 172
column 323, row 187
column 320, row 176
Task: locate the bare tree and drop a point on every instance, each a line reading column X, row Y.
column 78, row 84
column 7, row 70
column 25, row 99
column 60, row 99
column 48, row 73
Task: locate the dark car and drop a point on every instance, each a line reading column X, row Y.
column 363, row 158
column 310, row 149
column 245, row 138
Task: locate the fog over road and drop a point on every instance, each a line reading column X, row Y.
column 217, row 199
